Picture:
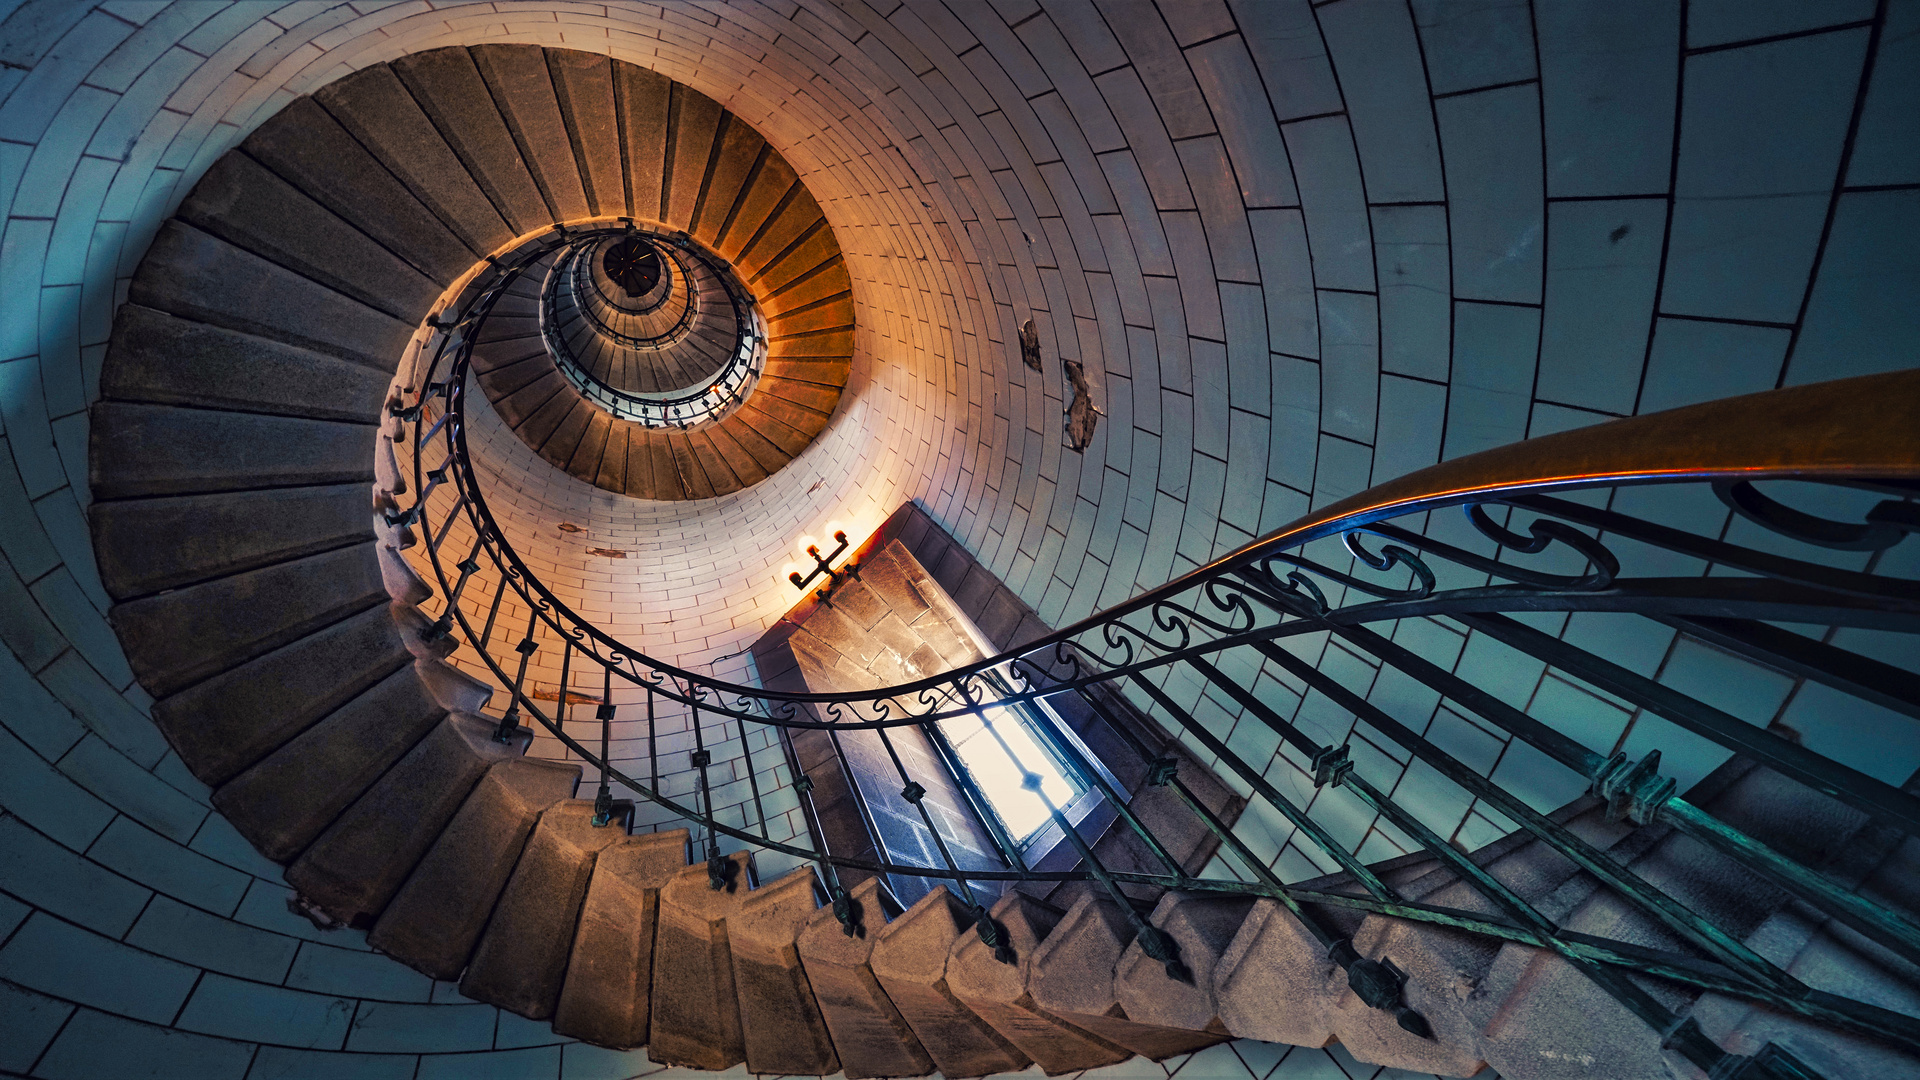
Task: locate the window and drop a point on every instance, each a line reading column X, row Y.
column 999, row 747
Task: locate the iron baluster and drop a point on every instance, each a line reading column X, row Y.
column 603, row 799
column 753, row 782
column 916, row 795
column 1875, row 797
column 1069, row 752
column 1319, row 835
column 1881, row 924
column 1850, row 673
column 719, row 870
column 509, row 727
column 453, row 515
column 1677, row 918
column 859, row 797
column 493, row 613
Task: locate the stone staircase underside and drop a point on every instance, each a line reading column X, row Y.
column 232, row 463
column 373, row 196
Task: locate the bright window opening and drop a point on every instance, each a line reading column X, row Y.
column 999, row 748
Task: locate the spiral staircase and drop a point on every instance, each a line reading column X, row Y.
column 298, row 646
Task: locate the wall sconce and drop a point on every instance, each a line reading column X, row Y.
column 823, row 564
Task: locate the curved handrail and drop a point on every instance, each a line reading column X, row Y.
column 1862, row 432
column 1821, row 431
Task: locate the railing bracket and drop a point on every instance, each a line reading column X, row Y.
column 1379, row 984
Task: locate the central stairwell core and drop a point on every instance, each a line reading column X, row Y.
column 595, row 380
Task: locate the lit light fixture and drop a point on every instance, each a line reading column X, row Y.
column 823, row 564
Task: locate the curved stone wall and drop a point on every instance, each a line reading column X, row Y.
column 1321, row 245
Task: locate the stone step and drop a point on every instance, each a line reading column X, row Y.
column 830, row 313
column 522, row 89
column 691, row 127
column 607, row 996
column 402, row 582
column 383, row 116
column 455, row 689
column 695, row 1005
column 146, row 450
column 1073, row 978
column 435, row 919
column 589, row 456
column 163, row 359
column 282, row 803
column 1202, row 927
column 229, row 722
column 178, row 638
column 829, row 279
column 739, row 151
column 583, row 86
column 806, row 254
column 910, row 958
column 780, row 1021
column 145, row 545
column 1884, row 866
column 1446, row 970
column 248, row 205
column 521, row 960
column 196, row 275
column 870, row 1036
column 361, row 860
column 1273, row 958
column 764, row 193
column 785, row 231
column 308, row 148
column 449, row 88
column 1539, row 1016
column 998, row 991
column 642, row 97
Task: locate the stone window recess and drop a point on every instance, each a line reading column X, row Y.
column 920, row 606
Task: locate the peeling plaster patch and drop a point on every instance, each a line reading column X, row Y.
column 1030, row 345
column 1082, row 413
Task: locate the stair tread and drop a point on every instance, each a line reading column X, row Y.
column 523, row 89
column 448, row 85
column 284, row 801
column 382, row 115
column 225, row 724
column 360, row 861
column 178, row 638
column 606, row 997
column 305, row 145
column 435, row 919
column 521, row 959
column 195, row 274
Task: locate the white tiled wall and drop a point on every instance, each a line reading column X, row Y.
column 1467, row 223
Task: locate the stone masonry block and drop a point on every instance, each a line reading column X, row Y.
column 696, row 1011
column 870, row 1035
column 1074, row 979
column 998, row 991
column 1272, row 983
column 438, row 914
column 607, row 996
column 1202, row 927
column 779, row 1018
column 522, row 957
column 910, row 958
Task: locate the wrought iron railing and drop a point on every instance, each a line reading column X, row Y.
column 683, row 408
column 1487, row 545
